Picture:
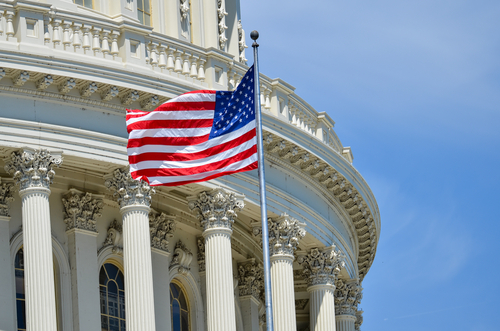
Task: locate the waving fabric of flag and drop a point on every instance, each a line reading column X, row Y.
column 194, row 137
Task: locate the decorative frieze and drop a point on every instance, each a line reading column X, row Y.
column 284, row 234
column 321, row 267
column 250, row 279
column 33, row 168
column 130, row 97
column 67, row 85
column 347, row 297
column 110, row 93
column 161, row 227
column 150, row 102
column 300, row 304
column 182, row 258
column 359, row 320
column 6, row 197
column 44, row 82
column 128, row 191
column 201, row 253
column 114, row 238
column 88, row 89
column 21, row 78
column 216, row 209
column 81, row 210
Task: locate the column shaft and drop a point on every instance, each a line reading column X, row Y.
column 39, row 265
column 322, row 311
column 7, row 290
column 345, row 322
column 219, row 278
column 84, row 279
column 139, row 298
column 283, row 292
column 161, row 289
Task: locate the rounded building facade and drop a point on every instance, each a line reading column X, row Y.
column 85, row 247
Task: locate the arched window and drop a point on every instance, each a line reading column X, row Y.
column 20, row 297
column 179, row 307
column 112, row 292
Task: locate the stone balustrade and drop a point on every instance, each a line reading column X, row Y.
column 121, row 45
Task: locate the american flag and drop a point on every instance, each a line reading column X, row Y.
column 194, row 137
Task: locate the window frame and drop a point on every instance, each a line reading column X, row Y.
column 120, row 269
column 141, row 13
column 188, row 303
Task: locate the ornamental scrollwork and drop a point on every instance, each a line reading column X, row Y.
column 32, row 168
column 250, row 279
column 348, row 295
column 128, row 191
column 114, row 238
column 182, row 258
column 216, row 209
column 81, row 210
column 321, row 267
column 6, row 197
column 201, row 254
column 284, row 234
column 161, row 228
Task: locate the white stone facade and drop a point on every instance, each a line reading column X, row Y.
column 68, row 209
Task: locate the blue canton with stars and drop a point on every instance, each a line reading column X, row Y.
column 234, row 110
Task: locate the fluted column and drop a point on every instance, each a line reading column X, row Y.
column 134, row 198
column 216, row 210
column 32, row 169
column 162, row 227
column 320, row 269
column 284, row 235
column 7, row 314
column 81, row 211
column 348, row 294
column 250, row 287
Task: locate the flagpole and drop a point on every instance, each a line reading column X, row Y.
column 262, row 186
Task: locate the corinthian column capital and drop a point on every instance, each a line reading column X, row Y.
column 359, row 320
column 284, row 234
column 216, row 208
column 250, row 279
column 81, row 210
column 6, row 196
column 348, row 295
column 128, row 191
column 33, row 168
column 321, row 267
column 161, row 227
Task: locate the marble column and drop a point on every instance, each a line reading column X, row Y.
column 251, row 290
column 216, row 211
column 162, row 227
column 284, row 235
column 134, row 198
column 32, row 169
column 348, row 294
column 320, row 269
column 7, row 290
column 81, row 211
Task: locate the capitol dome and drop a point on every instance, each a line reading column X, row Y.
column 85, row 247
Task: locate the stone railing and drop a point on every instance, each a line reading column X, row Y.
column 121, row 45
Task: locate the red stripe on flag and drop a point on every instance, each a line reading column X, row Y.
column 132, row 159
column 170, row 124
column 194, row 170
column 172, row 141
column 180, row 106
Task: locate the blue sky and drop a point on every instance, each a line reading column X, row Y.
column 414, row 89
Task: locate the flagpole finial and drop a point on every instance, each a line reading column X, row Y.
column 254, row 35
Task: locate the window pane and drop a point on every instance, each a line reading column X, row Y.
column 114, row 324
column 21, row 314
column 19, row 262
column 112, row 270
column 102, row 277
column 182, row 301
column 122, row 325
column 175, row 290
column 104, row 322
column 122, row 305
column 147, row 19
column 88, row 4
column 104, row 300
column 176, row 315
column 139, row 4
column 147, row 8
column 184, row 321
column 78, row 2
column 19, row 284
column 120, row 281
column 141, row 17
column 112, row 287
column 112, row 298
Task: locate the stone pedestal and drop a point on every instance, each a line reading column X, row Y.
column 216, row 211
column 135, row 198
column 320, row 269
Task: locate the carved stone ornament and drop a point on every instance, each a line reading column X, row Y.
column 300, row 304
column 201, row 253
column 81, row 210
column 161, row 227
column 284, row 234
column 241, row 42
column 347, row 297
column 128, row 191
column 184, row 7
column 216, row 208
column 182, row 258
column 321, row 267
column 114, row 238
column 6, row 196
column 221, row 11
column 250, row 279
column 359, row 320
column 32, row 168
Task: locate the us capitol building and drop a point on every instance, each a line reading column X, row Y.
column 83, row 247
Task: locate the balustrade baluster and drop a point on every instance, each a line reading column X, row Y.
column 178, row 61
column 201, row 69
column 105, row 42
column 162, row 60
column 10, row 25
column 96, row 40
column 114, row 42
column 86, row 37
column 66, row 34
column 77, row 39
column 1, row 23
column 56, row 33
column 185, row 65
column 46, row 33
column 194, row 62
column 170, row 58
